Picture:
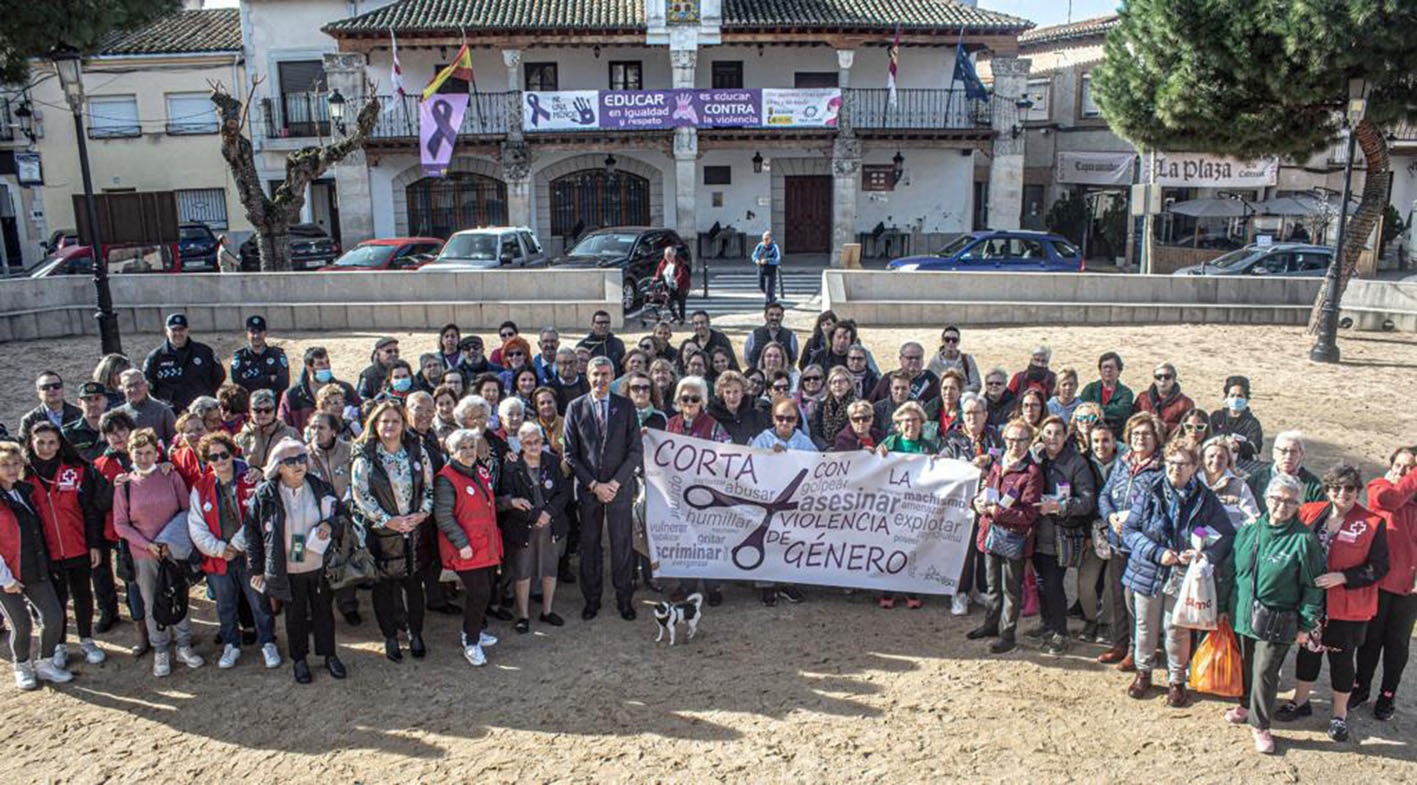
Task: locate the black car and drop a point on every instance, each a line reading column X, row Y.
column 198, row 248
column 310, row 249
column 634, row 249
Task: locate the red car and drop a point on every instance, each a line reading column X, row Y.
column 394, row 253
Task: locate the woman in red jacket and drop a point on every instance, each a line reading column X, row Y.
column 469, row 541
column 66, row 496
column 676, row 275
column 1354, row 542
column 1165, row 399
column 1389, row 636
column 1007, row 504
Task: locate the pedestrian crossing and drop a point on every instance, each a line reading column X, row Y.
column 735, row 291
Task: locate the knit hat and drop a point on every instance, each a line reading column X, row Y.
column 287, row 447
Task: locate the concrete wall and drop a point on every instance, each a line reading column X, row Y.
column 890, row 298
column 53, row 307
column 1371, row 304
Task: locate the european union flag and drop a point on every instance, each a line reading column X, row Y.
column 964, row 72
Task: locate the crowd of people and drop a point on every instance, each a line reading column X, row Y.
column 489, row 478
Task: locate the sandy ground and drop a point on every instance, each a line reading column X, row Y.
column 831, row 690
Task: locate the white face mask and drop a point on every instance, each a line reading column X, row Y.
column 1236, row 403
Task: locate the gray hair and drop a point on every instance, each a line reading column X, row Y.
column 203, row 404
column 1167, row 367
column 966, row 399
column 461, row 436
column 1294, row 437
column 263, row 396
column 551, row 331
column 695, row 383
column 565, row 351
column 509, row 405
column 417, row 397
column 997, row 371
column 1043, row 350
column 129, row 374
column 469, row 406
column 596, row 362
column 530, row 428
column 1286, row 483
column 910, row 345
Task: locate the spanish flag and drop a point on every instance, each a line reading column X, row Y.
column 460, row 68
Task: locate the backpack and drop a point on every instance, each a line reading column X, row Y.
column 169, row 601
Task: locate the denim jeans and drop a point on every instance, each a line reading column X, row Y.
column 228, row 589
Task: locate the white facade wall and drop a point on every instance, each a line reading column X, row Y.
column 934, row 196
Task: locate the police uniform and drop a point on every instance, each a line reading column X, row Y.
column 269, row 370
column 178, row 376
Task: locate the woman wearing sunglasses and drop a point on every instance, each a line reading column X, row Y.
column 691, row 396
column 1165, row 399
column 811, row 389
column 263, row 429
column 907, row 437
column 863, row 433
column 1195, row 428
column 1354, row 543
column 1084, row 418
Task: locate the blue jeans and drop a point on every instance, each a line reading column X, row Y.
column 767, row 281
column 228, row 590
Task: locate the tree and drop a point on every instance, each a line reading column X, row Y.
column 272, row 215
column 1270, row 77
column 34, row 29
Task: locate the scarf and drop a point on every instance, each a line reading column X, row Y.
column 834, row 416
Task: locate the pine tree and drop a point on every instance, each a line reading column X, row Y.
column 36, row 28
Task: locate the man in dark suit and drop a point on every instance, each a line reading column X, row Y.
column 602, row 445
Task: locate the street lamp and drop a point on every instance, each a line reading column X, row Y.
column 757, row 163
column 897, row 167
column 1326, row 345
column 25, row 115
column 336, row 101
column 610, row 163
column 69, row 64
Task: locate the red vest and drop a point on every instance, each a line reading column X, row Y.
column 184, row 461
column 10, row 541
column 208, row 498
column 109, row 468
column 476, row 514
column 63, row 519
column 1398, row 504
column 1348, row 549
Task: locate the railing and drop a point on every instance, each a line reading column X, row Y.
column 916, row 108
column 296, row 115
column 487, row 113
column 8, row 121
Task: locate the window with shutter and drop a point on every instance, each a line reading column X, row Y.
column 190, row 113
column 113, row 116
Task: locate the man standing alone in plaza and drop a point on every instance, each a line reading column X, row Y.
column 602, row 446
column 768, row 257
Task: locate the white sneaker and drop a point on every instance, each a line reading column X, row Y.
column 977, row 597
column 229, row 656
column 484, row 639
column 93, row 655
column 61, row 656
column 272, row 655
column 24, row 676
column 190, row 658
column 474, row 655
column 162, row 663
column 959, row 606
column 46, row 671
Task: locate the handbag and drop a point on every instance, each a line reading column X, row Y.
column 123, row 565
column 1100, row 544
column 349, row 562
column 1070, row 545
column 1268, row 624
column 1007, row 544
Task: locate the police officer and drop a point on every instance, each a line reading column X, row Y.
column 83, row 432
column 257, row 365
column 182, row 369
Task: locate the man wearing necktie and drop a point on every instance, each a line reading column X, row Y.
column 602, row 445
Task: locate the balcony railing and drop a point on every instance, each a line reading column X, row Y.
column 487, row 113
column 8, row 121
column 296, row 115
column 916, row 109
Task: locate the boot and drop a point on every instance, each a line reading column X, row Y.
column 143, row 646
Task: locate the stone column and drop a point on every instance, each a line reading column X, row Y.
column 844, row 59
column 344, row 71
column 1006, row 168
column 516, row 154
column 846, row 172
column 512, row 58
column 686, row 155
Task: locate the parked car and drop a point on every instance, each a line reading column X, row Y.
column 69, row 260
column 394, row 253
column 59, row 239
column 634, row 249
column 197, row 247
column 488, row 247
column 310, row 249
column 1000, row 251
column 122, row 260
column 1286, row 260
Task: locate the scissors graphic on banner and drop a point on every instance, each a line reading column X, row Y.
column 755, row 539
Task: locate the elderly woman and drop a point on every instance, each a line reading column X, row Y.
column 1165, row 399
column 1159, row 533
column 474, row 413
column 735, row 411
column 145, row 505
column 831, row 415
column 784, row 434
column 907, row 437
column 515, row 355
column 1354, row 544
column 1067, row 510
column 295, row 517
column 183, row 453
column 1115, row 398
column 531, row 506
column 1002, row 402
column 863, row 379
column 1288, row 455
column 1037, row 376
column 332, row 399
column 25, row 581
column 1235, row 418
column 107, row 372
column 1389, row 634
column 469, row 542
column 1065, row 401
column 677, row 278
column 1278, row 561
column 1101, row 454
column 694, row 420
column 972, row 439
column 863, row 433
column 263, row 430
column 392, row 486
column 1007, row 505
column 511, row 413
column 209, row 409
column 811, row 390
column 1132, row 476
column 1235, row 496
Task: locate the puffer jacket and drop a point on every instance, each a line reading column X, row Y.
column 1163, row 519
column 1123, row 488
column 1077, row 508
column 264, row 531
column 1397, row 503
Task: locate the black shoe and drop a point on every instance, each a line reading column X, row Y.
column 791, row 594
column 1291, row 711
column 1002, row 645
column 416, row 647
column 628, row 613
column 654, row 586
column 770, row 597
column 302, row 672
column 391, row 650
column 248, row 637
column 1338, row 729
column 1056, row 645
column 352, row 618
column 552, row 619
column 1089, row 631
column 566, row 576
column 589, row 612
column 715, row 598
column 1383, row 707
column 448, row 609
column 105, row 623
column 335, row 667
column 523, row 626
column 1358, row 696
column 500, row 613
column 979, row 633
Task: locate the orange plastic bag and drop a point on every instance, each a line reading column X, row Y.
column 1216, row 667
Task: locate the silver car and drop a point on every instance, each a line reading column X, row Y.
column 1285, row 260
column 489, row 248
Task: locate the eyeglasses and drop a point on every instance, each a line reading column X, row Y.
column 861, row 419
column 263, row 410
column 1342, row 489
column 517, row 353
column 504, row 336
column 639, row 388
column 949, row 340
column 1287, row 501
column 1162, row 377
column 856, row 359
column 1196, row 427
column 1016, row 440
column 691, row 399
column 784, row 418
column 295, row 460
column 781, row 387
column 52, row 386
column 1179, row 464
column 218, row 456
column 601, row 322
column 806, row 379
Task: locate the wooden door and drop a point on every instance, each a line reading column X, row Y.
column 807, row 210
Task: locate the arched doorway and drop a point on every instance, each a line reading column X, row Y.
column 591, row 198
column 439, row 206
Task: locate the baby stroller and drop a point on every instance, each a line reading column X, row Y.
column 654, row 299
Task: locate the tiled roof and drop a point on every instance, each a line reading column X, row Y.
column 456, row 15
column 1081, row 29
column 206, row 30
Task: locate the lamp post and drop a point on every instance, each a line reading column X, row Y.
column 337, row 106
column 1326, row 344
column 69, row 63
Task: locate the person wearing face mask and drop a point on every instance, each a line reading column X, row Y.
column 949, row 356
column 298, row 402
column 1108, row 392
column 381, row 361
column 1288, row 454
column 263, row 430
column 1235, row 418
column 1165, row 399
column 398, row 384
column 1037, row 376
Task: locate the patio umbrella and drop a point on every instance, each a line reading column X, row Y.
column 1213, row 208
column 1299, row 205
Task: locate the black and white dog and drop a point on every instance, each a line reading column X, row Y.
column 669, row 614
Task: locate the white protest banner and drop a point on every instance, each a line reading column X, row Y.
column 1198, row 170
column 563, row 110
column 1095, row 168
column 801, row 108
column 853, row 519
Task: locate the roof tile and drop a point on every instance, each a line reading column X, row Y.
column 1080, row 29
column 205, row 30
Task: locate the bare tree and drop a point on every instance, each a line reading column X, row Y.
column 272, row 215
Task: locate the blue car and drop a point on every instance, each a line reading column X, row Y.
column 1000, row 251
